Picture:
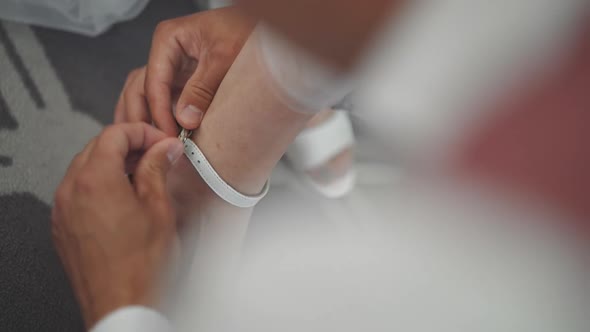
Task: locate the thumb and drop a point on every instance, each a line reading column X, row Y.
column 151, row 173
column 199, row 91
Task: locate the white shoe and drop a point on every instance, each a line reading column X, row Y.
column 316, row 146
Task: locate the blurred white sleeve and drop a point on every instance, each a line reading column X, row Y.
column 133, row 318
column 301, row 80
column 431, row 73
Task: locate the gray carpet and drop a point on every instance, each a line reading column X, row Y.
column 56, row 91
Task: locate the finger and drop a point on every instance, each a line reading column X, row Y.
column 132, row 161
column 200, row 89
column 136, row 107
column 116, row 142
column 120, row 107
column 152, row 170
column 85, row 153
column 79, row 160
column 165, row 57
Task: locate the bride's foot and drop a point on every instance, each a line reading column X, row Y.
column 324, row 153
column 337, row 166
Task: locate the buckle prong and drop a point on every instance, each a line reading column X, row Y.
column 184, row 135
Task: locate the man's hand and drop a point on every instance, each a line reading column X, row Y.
column 188, row 60
column 114, row 236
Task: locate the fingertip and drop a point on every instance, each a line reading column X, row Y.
column 152, row 169
column 175, row 151
column 190, row 117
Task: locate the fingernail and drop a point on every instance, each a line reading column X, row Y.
column 175, row 150
column 191, row 115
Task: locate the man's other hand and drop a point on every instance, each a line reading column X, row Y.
column 114, row 236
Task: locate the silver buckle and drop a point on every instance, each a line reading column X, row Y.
column 184, row 135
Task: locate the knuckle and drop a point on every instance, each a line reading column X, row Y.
column 148, row 191
column 140, row 73
column 106, row 136
column 149, row 171
column 129, row 78
column 142, row 190
column 226, row 52
column 101, row 144
column 148, row 182
column 200, row 90
column 137, row 70
column 84, row 183
column 132, row 74
column 164, row 28
column 107, row 133
column 159, row 28
column 134, row 84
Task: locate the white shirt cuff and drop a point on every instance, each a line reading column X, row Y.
column 133, row 318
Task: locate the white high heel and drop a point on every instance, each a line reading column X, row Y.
column 317, row 145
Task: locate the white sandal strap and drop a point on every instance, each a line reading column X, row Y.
column 214, row 181
column 315, row 146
